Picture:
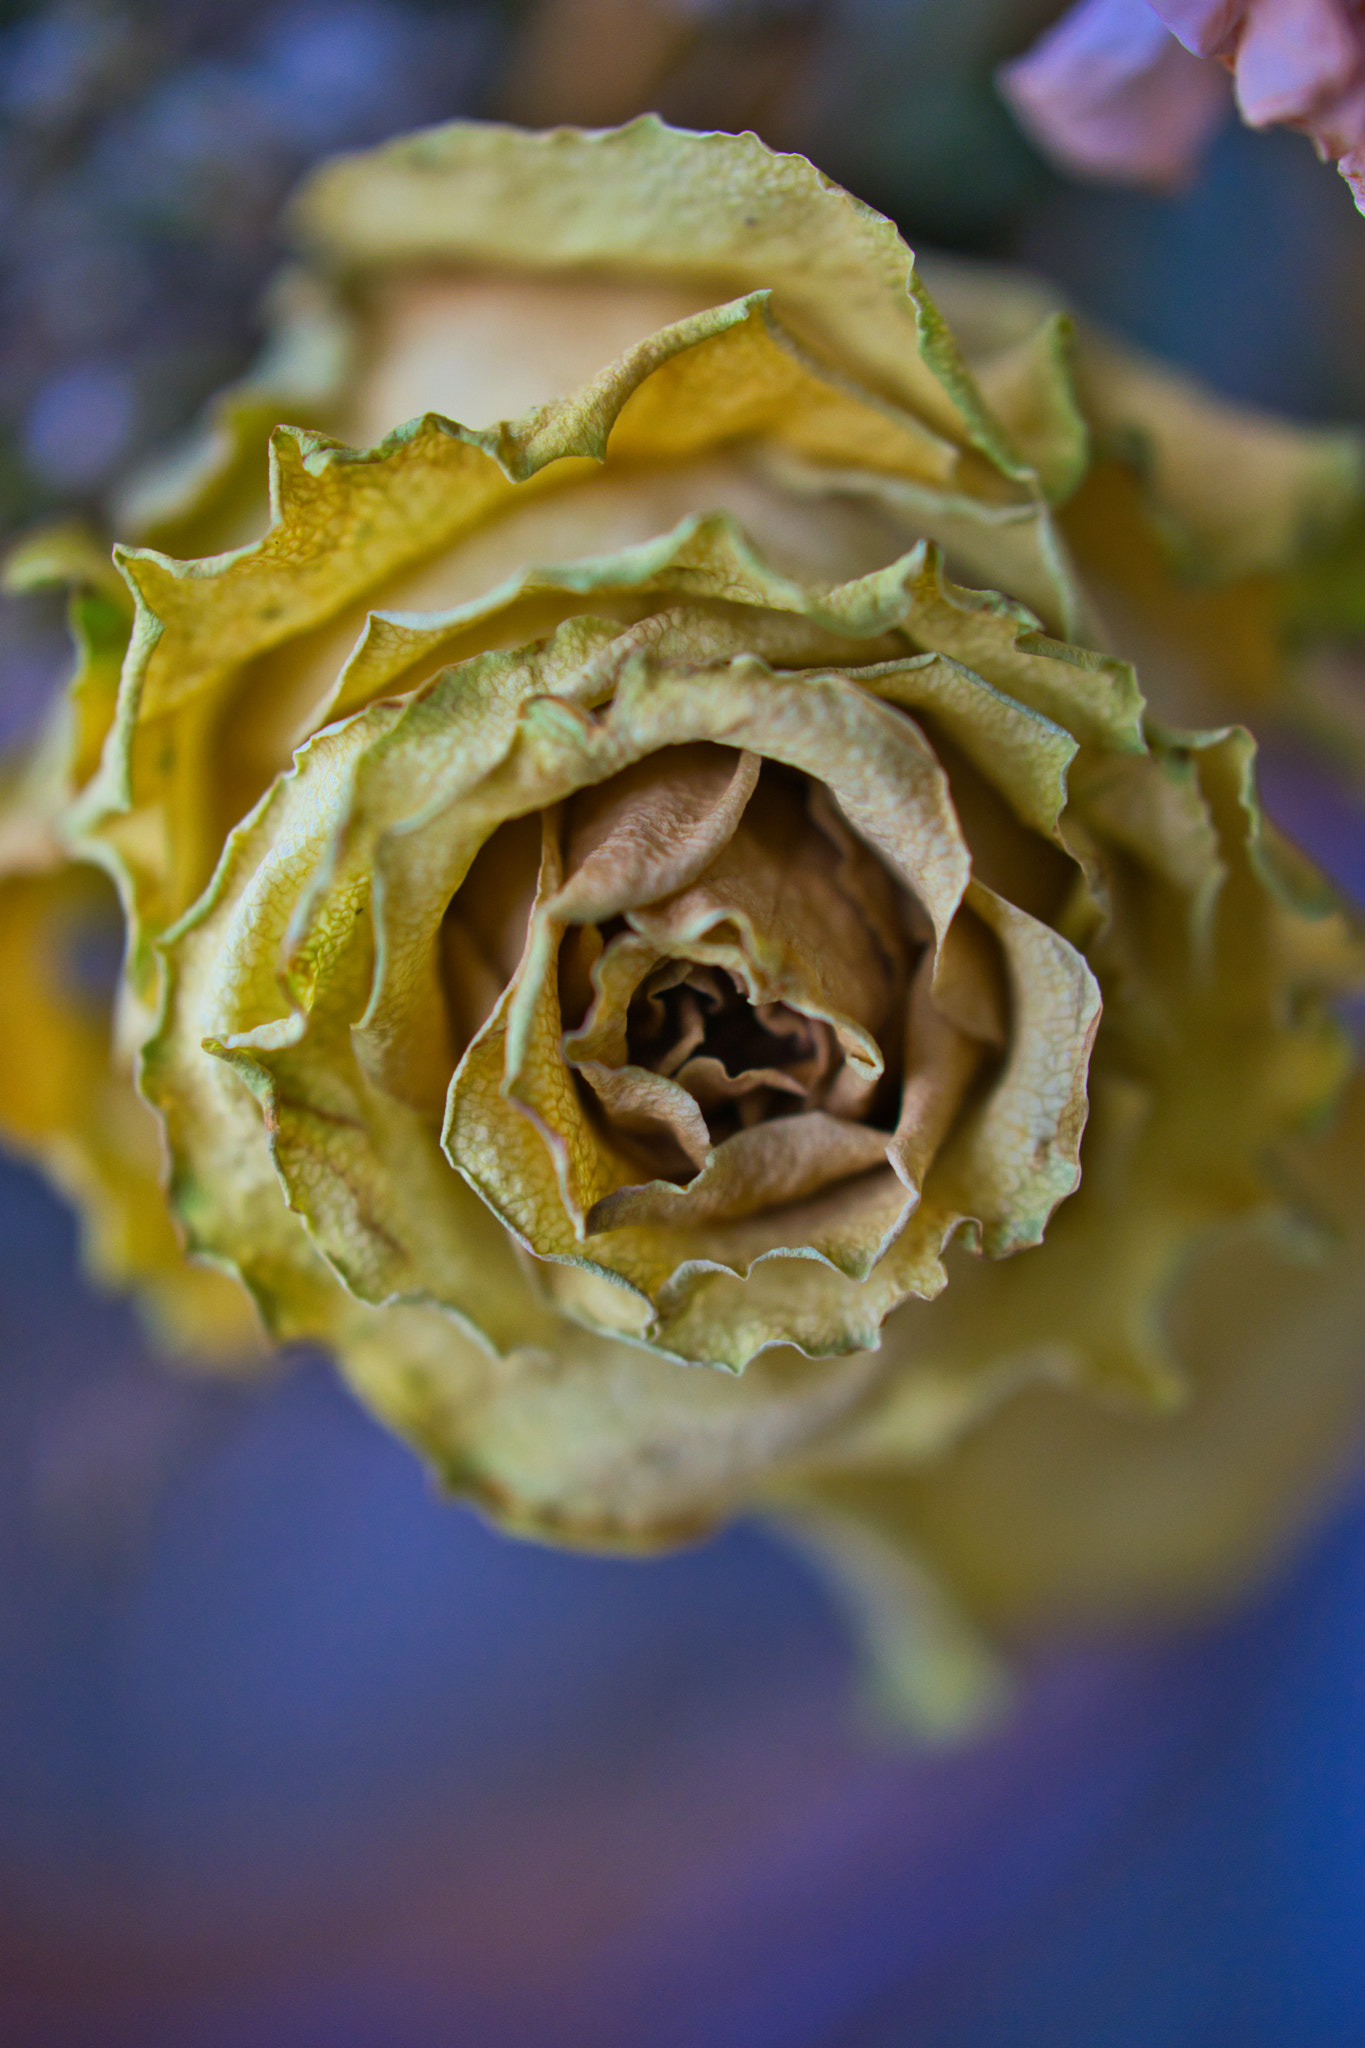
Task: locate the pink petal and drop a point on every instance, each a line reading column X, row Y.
column 1340, row 134
column 1207, row 28
column 1295, row 60
column 1108, row 92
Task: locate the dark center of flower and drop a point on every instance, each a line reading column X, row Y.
column 742, row 1062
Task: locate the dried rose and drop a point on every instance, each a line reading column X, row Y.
column 674, row 975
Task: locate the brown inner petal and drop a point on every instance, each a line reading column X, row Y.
column 650, row 831
column 484, row 929
column 743, row 987
column 741, row 1062
column 801, row 922
column 767, row 978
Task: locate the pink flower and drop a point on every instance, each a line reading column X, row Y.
column 1122, row 89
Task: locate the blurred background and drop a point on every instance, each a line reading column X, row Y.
column 290, row 1753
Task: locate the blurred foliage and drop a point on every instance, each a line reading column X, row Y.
column 145, row 149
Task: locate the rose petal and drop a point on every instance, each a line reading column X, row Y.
column 571, row 202
column 1296, row 59
column 1109, row 93
column 1207, row 28
column 652, row 830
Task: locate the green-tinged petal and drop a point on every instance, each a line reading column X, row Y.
column 593, row 1442
column 66, row 1093
column 1016, row 547
column 1214, row 1050
column 926, row 1668
column 68, row 556
column 1057, row 1512
column 707, row 561
column 346, row 521
column 67, row 1104
column 1222, row 545
column 1021, row 347
column 223, row 979
column 1020, row 1157
column 1233, row 490
column 652, row 202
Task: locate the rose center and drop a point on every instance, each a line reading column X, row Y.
column 708, row 1014
column 742, row 1062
